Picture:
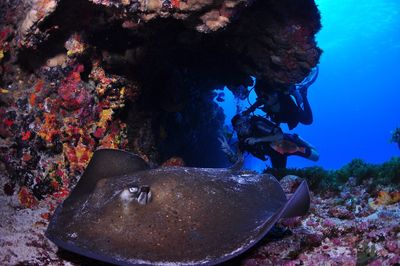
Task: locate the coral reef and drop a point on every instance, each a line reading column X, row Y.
column 76, row 76
column 348, row 227
column 139, row 75
column 79, row 75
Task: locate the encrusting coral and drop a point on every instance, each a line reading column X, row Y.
column 80, row 75
column 354, row 226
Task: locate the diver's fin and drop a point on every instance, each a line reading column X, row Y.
column 299, row 203
column 302, row 142
column 107, row 163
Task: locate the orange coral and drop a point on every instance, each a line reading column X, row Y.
column 32, row 99
column 109, row 142
column 174, row 161
column 78, row 157
column 49, row 128
column 385, row 198
column 26, row 198
column 116, row 138
column 39, row 85
column 395, row 196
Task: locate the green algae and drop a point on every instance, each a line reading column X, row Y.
column 386, row 174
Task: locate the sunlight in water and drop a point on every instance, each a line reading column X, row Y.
column 355, row 98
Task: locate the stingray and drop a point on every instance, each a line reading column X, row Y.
column 123, row 212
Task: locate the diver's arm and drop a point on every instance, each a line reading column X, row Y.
column 272, row 138
column 253, row 107
column 229, row 152
column 305, row 114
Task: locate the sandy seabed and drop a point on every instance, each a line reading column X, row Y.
column 22, row 240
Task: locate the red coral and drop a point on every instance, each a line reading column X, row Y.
column 175, row 3
column 99, row 133
column 26, row 135
column 26, row 198
column 4, row 132
column 341, row 212
column 73, row 92
column 8, row 122
column 78, row 156
column 4, row 34
column 45, row 215
column 39, row 85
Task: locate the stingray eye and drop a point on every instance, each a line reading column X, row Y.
column 133, row 189
column 141, row 194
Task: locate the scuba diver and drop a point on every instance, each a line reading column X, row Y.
column 290, row 107
column 262, row 138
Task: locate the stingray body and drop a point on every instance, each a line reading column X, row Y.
column 125, row 213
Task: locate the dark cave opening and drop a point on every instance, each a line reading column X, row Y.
column 184, row 121
column 97, row 76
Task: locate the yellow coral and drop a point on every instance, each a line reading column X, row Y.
column 78, row 157
column 395, row 197
column 115, row 139
column 70, row 127
column 1, row 54
column 385, row 198
column 74, row 45
column 105, row 116
column 109, row 142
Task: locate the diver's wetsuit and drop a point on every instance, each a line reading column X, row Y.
column 289, row 111
column 261, row 127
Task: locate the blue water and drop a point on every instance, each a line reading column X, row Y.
column 355, row 99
